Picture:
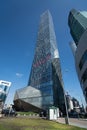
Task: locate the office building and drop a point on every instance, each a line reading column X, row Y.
column 4, row 89
column 45, row 85
column 69, row 102
column 75, row 103
column 77, row 21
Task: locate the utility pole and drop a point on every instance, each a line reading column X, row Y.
column 67, row 116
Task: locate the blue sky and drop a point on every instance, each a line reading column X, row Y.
column 19, row 21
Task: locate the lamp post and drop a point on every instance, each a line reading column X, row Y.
column 67, row 117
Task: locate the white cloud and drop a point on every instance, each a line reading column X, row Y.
column 19, row 75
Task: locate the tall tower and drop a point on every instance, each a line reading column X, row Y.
column 77, row 21
column 46, row 50
column 78, row 24
column 45, row 78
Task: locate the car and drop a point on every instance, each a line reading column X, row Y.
column 9, row 112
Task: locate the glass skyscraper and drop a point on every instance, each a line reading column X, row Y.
column 45, row 85
column 77, row 21
column 78, row 24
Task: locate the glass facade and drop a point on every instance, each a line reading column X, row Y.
column 45, row 67
column 77, row 23
column 84, row 76
column 58, row 91
column 85, row 92
column 83, row 60
column 4, row 89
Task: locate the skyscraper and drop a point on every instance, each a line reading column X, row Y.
column 45, row 85
column 77, row 21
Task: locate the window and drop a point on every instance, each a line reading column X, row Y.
column 86, row 92
column 83, row 60
column 84, row 77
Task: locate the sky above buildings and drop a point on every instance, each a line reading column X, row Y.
column 19, row 22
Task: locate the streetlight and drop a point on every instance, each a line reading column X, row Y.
column 67, row 117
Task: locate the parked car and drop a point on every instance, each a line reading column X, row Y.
column 9, row 112
column 73, row 114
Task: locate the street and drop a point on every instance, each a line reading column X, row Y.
column 74, row 121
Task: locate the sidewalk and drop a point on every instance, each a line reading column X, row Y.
column 75, row 122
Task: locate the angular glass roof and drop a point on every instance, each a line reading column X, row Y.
column 84, row 13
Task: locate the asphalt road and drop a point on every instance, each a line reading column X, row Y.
column 74, row 121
